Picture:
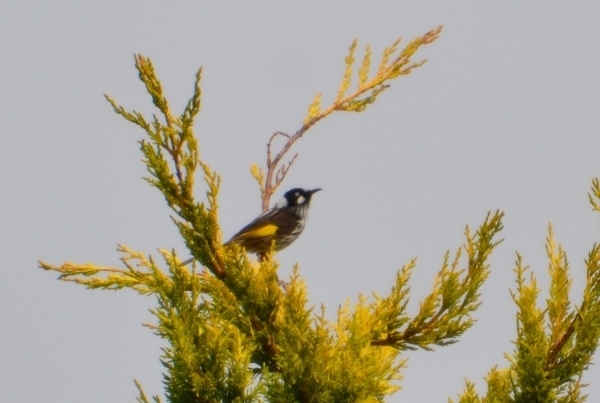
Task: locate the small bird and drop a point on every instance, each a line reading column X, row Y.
column 283, row 223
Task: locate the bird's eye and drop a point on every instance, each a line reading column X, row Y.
column 297, row 194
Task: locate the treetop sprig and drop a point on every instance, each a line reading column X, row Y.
column 555, row 344
column 365, row 94
column 444, row 314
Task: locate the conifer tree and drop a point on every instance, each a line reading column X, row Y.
column 235, row 333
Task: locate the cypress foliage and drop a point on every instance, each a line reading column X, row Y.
column 236, row 334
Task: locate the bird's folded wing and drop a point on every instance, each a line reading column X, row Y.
column 265, row 230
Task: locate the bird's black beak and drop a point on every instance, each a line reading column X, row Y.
column 311, row 192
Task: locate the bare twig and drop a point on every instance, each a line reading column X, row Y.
column 560, row 343
column 356, row 102
column 409, row 332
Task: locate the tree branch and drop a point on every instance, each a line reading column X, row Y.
column 353, row 102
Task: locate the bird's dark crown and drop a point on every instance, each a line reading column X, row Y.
column 298, row 196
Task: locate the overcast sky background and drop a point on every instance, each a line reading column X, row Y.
column 505, row 114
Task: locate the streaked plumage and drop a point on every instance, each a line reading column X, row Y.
column 283, row 223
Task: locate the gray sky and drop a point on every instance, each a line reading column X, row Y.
column 505, row 114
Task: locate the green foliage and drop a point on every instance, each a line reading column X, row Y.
column 242, row 337
column 554, row 345
column 594, row 196
column 358, row 101
column 235, row 333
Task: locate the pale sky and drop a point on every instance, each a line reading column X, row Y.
column 505, row 114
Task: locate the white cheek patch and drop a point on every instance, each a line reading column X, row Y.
column 301, row 199
column 281, row 203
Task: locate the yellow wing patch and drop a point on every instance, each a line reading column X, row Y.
column 263, row 231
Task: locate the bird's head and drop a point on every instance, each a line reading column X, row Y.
column 297, row 197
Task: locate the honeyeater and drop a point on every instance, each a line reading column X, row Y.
column 283, row 223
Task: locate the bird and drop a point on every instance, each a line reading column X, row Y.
column 283, row 223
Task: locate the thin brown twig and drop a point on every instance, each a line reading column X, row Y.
column 272, row 164
column 174, row 152
column 273, row 179
column 409, row 332
column 558, row 345
column 284, row 169
column 271, row 141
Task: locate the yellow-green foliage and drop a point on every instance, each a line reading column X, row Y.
column 554, row 345
column 235, row 333
column 365, row 94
